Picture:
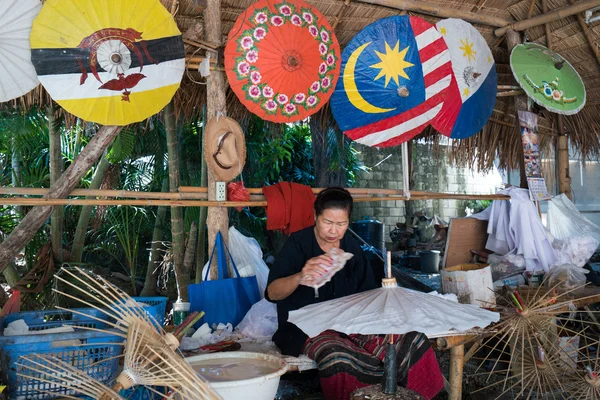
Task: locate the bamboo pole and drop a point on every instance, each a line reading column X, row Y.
column 211, row 203
column 564, row 180
column 510, row 93
column 512, row 40
column 440, row 11
column 199, row 193
column 448, row 342
column 457, row 361
column 549, row 17
column 588, row 35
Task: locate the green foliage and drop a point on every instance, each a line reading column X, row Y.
column 477, row 205
column 122, row 147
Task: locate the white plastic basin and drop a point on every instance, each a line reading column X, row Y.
column 262, row 387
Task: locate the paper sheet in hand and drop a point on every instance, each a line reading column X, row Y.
column 391, row 310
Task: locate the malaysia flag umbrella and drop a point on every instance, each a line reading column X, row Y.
column 472, row 94
column 282, row 60
column 395, row 75
column 112, row 62
column 17, row 75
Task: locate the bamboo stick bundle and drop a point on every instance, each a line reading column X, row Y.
column 52, row 372
column 139, row 368
column 190, row 385
column 524, row 345
column 99, row 294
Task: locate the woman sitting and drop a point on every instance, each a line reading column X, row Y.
column 345, row 362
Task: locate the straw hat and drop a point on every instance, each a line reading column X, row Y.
column 224, row 148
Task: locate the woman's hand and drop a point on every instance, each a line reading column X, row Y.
column 314, row 267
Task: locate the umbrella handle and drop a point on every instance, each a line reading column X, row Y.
column 390, row 384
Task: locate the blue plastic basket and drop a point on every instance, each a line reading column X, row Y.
column 96, row 356
column 95, row 353
column 158, row 307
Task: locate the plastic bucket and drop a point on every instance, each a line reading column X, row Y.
column 430, row 261
column 260, row 388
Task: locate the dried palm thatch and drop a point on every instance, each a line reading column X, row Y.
column 54, row 375
column 500, row 138
column 524, row 346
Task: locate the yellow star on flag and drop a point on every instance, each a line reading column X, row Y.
column 443, row 31
column 392, row 63
column 467, row 48
column 466, row 92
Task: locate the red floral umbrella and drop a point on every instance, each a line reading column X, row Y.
column 282, row 60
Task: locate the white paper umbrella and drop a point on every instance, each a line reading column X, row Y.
column 17, row 74
column 391, row 310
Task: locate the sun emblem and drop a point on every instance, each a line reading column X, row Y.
column 467, row 49
column 392, row 63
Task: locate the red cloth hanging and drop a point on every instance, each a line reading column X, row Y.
column 289, row 207
column 236, row 191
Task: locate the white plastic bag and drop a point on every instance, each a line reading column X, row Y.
column 576, row 250
column 564, row 220
column 247, row 255
column 566, row 277
column 260, row 321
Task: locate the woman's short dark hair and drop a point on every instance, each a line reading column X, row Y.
column 333, row 197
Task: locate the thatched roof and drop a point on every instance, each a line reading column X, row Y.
column 500, row 134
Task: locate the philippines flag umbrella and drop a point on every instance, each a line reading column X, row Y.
column 472, row 94
column 395, row 74
column 111, row 62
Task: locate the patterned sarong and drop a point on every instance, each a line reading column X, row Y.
column 349, row 362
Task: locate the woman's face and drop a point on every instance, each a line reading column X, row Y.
column 332, row 224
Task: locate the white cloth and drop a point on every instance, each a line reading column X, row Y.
column 515, row 227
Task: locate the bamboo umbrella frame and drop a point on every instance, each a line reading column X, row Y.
column 197, row 197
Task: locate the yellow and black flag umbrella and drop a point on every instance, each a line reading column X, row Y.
column 112, row 62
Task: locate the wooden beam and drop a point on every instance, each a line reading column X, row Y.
column 549, row 16
column 36, row 217
column 588, row 36
column 440, row 11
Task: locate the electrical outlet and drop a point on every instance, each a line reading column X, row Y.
column 221, row 192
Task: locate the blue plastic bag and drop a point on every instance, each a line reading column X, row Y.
column 225, row 300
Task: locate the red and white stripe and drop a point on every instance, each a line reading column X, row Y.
column 437, row 74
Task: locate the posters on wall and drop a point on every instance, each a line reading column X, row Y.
column 533, row 161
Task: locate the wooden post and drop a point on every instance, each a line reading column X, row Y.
column 56, row 169
column 457, row 360
column 564, row 179
column 422, row 7
column 35, row 218
column 551, row 16
column 218, row 218
column 512, row 40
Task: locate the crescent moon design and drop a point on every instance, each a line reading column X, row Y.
column 352, row 90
